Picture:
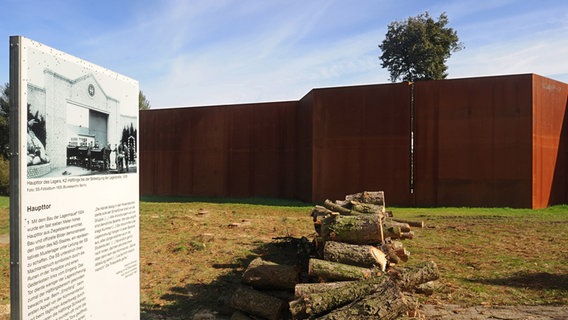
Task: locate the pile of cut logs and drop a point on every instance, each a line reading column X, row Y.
column 351, row 268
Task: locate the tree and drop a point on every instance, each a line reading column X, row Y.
column 4, row 120
column 143, row 103
column 4, row 139
column 418, row 48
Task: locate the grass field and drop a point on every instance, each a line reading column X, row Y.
column 194, row 251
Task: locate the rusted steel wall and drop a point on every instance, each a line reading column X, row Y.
column 474, row 142
column 491, row 141
column 224, row 151
column 304, row 147
column 361, row 141
column 550, row 159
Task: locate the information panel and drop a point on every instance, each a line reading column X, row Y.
column 76, row 235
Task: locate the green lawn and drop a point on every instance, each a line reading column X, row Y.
column 191, row 252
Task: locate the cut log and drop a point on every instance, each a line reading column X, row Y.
column 374, row 197
column 363, row 229
column 304, row 289
column 262, row 274
column 385, row 304
column 356, row 255
column 257, row 303
column 390, row 253
column 418, row 224
column 400, row 250
column 334, row 271
column 341, row 210
column 410, row 277
column 317, row 304
column 366, row 207
column 404, row 227
column 319, row 212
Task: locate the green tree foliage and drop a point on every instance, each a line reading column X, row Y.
column 4, row 120
column 143, row 103
column 417, row 48
column 4, row 139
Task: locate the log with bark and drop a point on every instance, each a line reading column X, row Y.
column 317, row 304
column 356, row 255
column 303, row 289
column 419, row 224
column 334, row 271
column 395, row 251
column 263, row 274
column 366, row 207
column 388, row 303
column 256, row 303
column 340, row 209
column 409, row 277
column 374, row 197
column 362, row 229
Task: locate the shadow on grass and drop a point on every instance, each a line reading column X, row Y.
column 193, row 297
column 536, row 281
column 253, row 201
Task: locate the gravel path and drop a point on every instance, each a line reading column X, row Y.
column 495, row 312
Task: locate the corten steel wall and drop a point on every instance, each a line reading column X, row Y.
column 224, row 151
column 549, row 142
column 473, row 142
column 491, row 141
column 304, row 147
column 361, row 141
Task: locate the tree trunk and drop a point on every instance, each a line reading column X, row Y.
column 259, row 304
column 303, row 289
column 356, row 255
column 263, row 274
column 333, row 271
column 363, row 229
column 388, row 303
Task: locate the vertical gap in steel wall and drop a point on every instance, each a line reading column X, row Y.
column 411, row 137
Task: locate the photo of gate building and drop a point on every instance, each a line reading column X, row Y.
column 498, row 141
column 78, row 115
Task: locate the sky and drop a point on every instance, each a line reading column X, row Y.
column 217, row 52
